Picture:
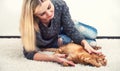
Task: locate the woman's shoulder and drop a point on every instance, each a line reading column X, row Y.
column 58, row 2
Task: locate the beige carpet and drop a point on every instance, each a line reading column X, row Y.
column 12, row 59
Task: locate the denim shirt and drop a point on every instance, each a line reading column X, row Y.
column 49, row 35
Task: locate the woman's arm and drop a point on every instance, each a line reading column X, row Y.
column 60, row 58
column 42, row 57
column 68, row 25
column 72, row 32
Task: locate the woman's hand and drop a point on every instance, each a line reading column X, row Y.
column 88, row 48
column 60, row 58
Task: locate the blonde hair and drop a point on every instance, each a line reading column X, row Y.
column 28, row 24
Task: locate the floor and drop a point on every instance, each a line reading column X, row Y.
column 11, row 58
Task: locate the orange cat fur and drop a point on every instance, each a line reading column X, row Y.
column 77, row 54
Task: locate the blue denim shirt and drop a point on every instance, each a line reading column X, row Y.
column 49, row 35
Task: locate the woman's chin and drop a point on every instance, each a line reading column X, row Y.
column 51, row 17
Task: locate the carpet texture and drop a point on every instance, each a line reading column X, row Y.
column 12, row 59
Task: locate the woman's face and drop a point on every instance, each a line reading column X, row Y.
column 45, row 11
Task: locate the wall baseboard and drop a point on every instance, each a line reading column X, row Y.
column 9, row 36
column 108, row 37
column 98, row 37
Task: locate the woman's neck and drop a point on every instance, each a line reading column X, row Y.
column 47, row 24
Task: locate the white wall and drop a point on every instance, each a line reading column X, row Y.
column 102, row 14
column 9, row 17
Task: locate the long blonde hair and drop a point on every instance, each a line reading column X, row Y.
column 28, row 24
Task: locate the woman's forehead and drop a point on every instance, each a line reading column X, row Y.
column 43, row 7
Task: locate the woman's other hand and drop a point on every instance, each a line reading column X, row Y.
column 88, row 48
column 60, row 58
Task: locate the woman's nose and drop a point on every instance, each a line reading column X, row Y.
column 48, row 13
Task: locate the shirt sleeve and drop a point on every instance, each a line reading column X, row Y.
column 68, row 25
column 29, row 55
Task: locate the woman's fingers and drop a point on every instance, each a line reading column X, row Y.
column 71, row 63
column 91, row 50
column 65, row 61
column 61, row 59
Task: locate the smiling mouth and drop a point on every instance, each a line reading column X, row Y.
column 50, row 17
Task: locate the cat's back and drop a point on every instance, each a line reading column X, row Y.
column 72, row 47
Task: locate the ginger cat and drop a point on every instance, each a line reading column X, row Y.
column 77, row 54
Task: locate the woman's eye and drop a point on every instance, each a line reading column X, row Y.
column 49, row 7
column 42, row 14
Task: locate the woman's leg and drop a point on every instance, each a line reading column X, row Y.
column 63, row 39
column 86, row 30
column 89, row 32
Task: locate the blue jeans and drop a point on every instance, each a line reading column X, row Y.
column 89, row 32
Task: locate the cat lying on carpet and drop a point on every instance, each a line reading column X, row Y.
column 77, row 54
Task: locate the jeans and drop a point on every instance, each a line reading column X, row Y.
column 89, row 32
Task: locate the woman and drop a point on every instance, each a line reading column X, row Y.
column 47, row 23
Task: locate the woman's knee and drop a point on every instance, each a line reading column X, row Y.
column 65, row 39
column 86, row 30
